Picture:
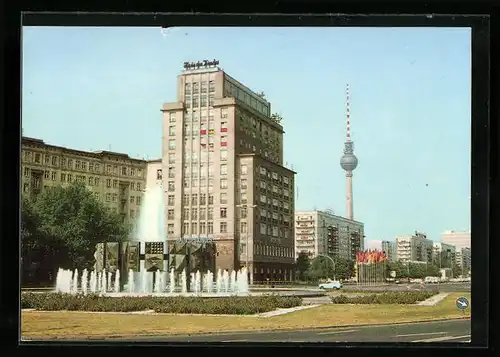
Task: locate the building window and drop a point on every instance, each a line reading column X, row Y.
column 243, row 212
column 194, row 199
column 170, row 228
column 223, row 169
column 108, row 183
column 223, row 227
column 186, row 214
column 223, row 213
column 223, row 155
column 138, row 200
column 185, row 228
column 243, row 227
column 223, row 198
column 115, row 183
column 203, row 227
column 171, row 200
column 108, row 197
column 194, row 228
column 210, row 213
column 223, row 183
column 210, row 199
column 132, row 213
column 170, row 214
column 203, row 199
column 171, row 185
column 54, row 160
column 171, row 144
column 159, row 174
column 171, row 117
column 132, row 199
column 263, row 228
column 203, row 213
column 171, row 158
column 211, row 86
column 210, row 228
column 194, row 214
column 54, row 176
column 244, row 169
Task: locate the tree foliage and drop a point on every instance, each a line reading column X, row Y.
column 302, row 266
column 322, row 267
column 413, row 270
column 61, row 229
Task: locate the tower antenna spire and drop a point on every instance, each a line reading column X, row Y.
column 348, row 113
column 349, row 161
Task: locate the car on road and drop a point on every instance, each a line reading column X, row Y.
column 330, row 285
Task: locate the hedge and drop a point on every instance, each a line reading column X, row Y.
column 399, row 297
column 234, row 305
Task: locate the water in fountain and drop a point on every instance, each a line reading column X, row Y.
column 104, row 277
column 93, row 282
column 116, row 288
column 172, row 281
column 242, row 281
column 109, row 287
column 74, row 286
column 235, row 282
column 158, row 282
column 85, row 281
column 209, row 281
column 130, row 281
column 232, row 284
column 183, row 282
column 225, row 279
column 197, row 279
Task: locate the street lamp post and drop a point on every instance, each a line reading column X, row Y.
column 333, row 262
column 246, row 238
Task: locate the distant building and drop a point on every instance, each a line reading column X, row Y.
column 224, row 176
column 443, row 254
column 458, row 239
column 116, row 179
column 311, row 235
column 414, row 248
column 463, row 260
column 154, row 174
column 390, row 250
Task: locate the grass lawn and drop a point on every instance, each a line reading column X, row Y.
column 73, row 325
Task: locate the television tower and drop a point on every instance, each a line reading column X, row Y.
column 348, row 161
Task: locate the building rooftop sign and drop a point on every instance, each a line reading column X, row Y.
column 201, row 64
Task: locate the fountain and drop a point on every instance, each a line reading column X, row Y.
column 140, row 266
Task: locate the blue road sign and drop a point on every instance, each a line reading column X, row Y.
column 462, row 303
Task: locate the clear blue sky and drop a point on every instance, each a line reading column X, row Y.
column 102, row 88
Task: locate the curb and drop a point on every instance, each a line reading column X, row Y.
column 236, row 332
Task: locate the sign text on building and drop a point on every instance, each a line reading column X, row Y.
column 201, row 64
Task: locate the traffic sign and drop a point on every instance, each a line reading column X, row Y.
column 462, row 303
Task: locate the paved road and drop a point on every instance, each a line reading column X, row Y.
column 445, row 288
column 443, row 331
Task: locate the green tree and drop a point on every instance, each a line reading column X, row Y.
column 71, row 222
column 302, row 266
column 344, row 268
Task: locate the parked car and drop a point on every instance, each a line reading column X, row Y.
column 330, row 285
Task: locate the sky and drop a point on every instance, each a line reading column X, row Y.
column 102, row 89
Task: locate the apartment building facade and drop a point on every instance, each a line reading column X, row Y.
column 390, row 250
column 444, row 254
column 414, row 248
column 458, row 239
column 114, row 178
column 463, row 260
column 219, row 139
column 311, row 235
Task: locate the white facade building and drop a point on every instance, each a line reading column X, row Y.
column 311, row 234
column 458, row 239
column 415, row 248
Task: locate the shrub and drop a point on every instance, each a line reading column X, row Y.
column 234, row 305
column 399, row 297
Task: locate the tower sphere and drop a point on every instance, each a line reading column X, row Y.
column 349, row 162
